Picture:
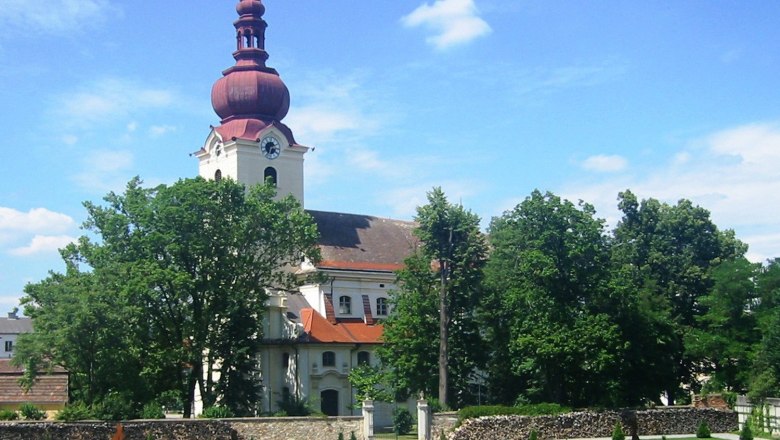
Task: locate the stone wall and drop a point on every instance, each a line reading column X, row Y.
column 596, row 424
column 443, row 421
column 281, row 428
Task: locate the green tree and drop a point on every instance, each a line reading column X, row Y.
column 727, row 333
column 449, row 263
column 194, row 262
column 547, row 274
column 668, row 251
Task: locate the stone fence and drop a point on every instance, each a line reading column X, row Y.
column 596, row 424
column 268, row 428
column 765, row 417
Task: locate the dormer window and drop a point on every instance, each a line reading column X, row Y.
column 345, row 305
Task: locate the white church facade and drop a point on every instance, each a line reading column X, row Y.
column 316, row 336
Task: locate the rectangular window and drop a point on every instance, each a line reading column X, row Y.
column 9, row 346
column 345, row 305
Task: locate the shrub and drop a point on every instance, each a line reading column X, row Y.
column 31, row 412
column 534, row 435
column 402, row 421
column 77, row 411
column 746, row 433
column 703, row 431
column 352, row 436
column 217, row 412
column 114, row 407
column 295, row 407
column 617, row 433
column 341, row 436
column 539, row 409
column 7, row 414
column 152, row 410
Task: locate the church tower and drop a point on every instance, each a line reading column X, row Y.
column 251, row 144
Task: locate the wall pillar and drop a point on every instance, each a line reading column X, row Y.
column 423, row 420
column 368, row 420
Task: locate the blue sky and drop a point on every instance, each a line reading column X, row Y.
column 489, row 99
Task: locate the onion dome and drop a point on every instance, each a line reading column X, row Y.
column 250, row 89
column 250, row 7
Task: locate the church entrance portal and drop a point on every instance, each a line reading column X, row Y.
column 329, row 402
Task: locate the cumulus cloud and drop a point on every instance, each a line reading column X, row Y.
column 161, row 130
column 454, row 22
column 43, row 244
column 732, row 173
column 34, row 220
column 605, row 163
column 54, row 16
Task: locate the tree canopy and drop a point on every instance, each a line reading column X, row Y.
column 172, row 282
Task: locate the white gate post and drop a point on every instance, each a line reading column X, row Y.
column 368, row 419
column 424, row 421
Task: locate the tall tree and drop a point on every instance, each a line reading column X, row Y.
column 546, row 273
column 196, row 260
column 450, row 262
column 668, row 251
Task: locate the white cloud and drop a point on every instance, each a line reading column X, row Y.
column 109, row 99
column 453, row 22
column 53, row 16
column 605, row 163
column 547, row 80
column 404, row 200
column 732, row 173
column 105, row 170
column 43, row 244
column 160, row 130
column 34, row 220
column 70, row 139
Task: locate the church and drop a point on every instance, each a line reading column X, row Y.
column 316, row 336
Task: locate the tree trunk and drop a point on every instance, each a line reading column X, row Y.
column 443, row 336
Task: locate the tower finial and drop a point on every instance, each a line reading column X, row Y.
column 250, row 89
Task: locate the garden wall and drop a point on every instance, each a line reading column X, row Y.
column 596, row 424
column 271, row 428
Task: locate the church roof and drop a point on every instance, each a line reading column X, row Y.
column 363, row 242
column 318, row 329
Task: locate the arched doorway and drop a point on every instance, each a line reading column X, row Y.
column 329, row 402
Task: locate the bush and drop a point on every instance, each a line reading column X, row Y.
column 746, row 433
column 294, row 406
column 217, row 412
column 617, row 433
column 352, row 436
column 539, row 409
column 7, row 414
column 703, row 431
column 534, row 435
column 341, row 436
column 114, row 407
column 77, row 411
column 402, row 421
column 31, row 412
column 152, row 410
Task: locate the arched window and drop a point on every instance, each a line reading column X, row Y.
column 328, row 359
column 364, row 358
column 270, row 174
column 381, row 306
column 345, row 305
column 218, row 175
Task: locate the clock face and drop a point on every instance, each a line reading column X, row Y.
column 270, row 147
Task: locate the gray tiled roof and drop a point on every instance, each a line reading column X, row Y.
column 15, row 325
column 354, row 241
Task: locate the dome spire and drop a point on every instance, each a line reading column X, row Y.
column 250, row 90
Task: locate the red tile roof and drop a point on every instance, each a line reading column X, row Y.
column 355, row 332
column 48, row 388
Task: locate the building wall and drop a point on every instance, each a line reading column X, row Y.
column 770, row 418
